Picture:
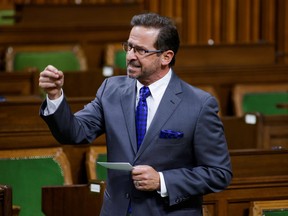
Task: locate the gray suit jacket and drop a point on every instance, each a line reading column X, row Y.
column 185, row 141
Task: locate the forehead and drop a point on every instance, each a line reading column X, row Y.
column 143, row 36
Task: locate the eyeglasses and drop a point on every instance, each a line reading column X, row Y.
column 128, row 47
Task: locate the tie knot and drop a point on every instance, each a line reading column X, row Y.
column 144, row 92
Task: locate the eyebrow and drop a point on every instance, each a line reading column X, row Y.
column 137, row 46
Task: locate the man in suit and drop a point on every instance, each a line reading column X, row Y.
column 183, row 155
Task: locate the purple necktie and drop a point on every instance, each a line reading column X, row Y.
column 141, row 115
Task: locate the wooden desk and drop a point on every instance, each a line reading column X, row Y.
column 275, row 132
column 19, row 117
column 243, row 132
column 258, row 175
column 73, row 200
column 85, row 84
column 268, row 132
column 18, row 83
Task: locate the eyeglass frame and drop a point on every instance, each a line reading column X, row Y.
column 136, row 49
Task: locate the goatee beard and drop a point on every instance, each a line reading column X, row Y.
column 128, row 76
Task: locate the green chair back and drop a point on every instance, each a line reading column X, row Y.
column 265, row 103
column 27, row 175
column 6, row 17
column 65, row 60
column 276, row 212
column 100, row 170
column 95, row 171
column 120, row 59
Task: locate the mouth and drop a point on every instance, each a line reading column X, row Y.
column 133, row 64
column 132, row 69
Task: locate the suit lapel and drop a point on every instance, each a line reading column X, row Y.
column 170, row 100
column 128, row 98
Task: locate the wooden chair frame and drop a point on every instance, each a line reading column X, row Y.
column 258, row 207
column 91, row 158
column 111, row 49
column 31, row 156
column 12, row 50
column 64, row 200
column 5, row 200
column 240, row 90
column 210, row 89
column 110, row 68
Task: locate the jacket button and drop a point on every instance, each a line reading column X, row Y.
column 127, row 196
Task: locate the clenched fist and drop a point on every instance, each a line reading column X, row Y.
column 51, row 81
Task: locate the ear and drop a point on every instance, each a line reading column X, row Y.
column 166, row 57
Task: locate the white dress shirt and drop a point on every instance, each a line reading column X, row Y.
column 157, row 90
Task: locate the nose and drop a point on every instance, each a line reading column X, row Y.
column 130, row 55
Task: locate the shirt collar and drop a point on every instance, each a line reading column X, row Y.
column 158, row 85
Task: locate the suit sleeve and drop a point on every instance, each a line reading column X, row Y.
column 79, row 128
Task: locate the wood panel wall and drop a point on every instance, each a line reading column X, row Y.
column 214, row 21
column 229, row 21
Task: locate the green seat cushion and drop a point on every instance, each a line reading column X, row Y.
column 27, row 177
column 265, row 103
column 66, row 60
column 101, row 171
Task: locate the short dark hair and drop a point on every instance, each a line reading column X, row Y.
column 168, row 37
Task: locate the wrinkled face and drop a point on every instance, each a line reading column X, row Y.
column 146, row 67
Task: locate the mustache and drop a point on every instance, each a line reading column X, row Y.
column 133, row 63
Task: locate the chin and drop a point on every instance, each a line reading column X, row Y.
column 132, row 74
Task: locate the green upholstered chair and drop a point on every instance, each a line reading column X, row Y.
column 267, row 99
column 96, row 154
column 114, row 59
column 269, row 208
column 64, row 57
column 7, row 17
column 267, row 103
column 115, row 56
column 120, row 59
column 28, row 170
